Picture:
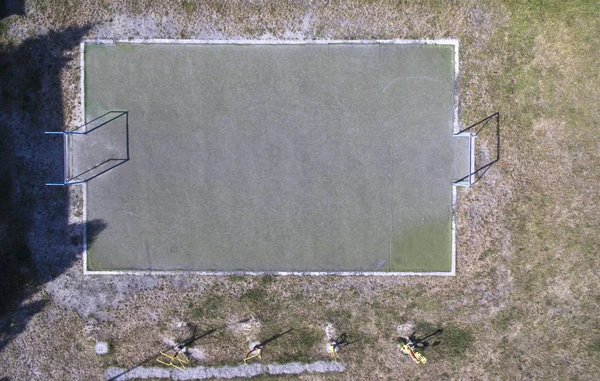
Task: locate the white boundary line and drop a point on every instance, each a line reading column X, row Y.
column 456, row 128
column 84, row 184
column 225, row 372
column 453, row 42
column 456, row 81
column 454, row 198
column 472, row 147
column 271, row 273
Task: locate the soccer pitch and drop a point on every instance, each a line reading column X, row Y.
column 279, row 157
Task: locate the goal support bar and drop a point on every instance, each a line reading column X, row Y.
column 476, row 173
column 85, row 129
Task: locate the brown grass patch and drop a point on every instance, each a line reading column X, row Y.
column 522, row 304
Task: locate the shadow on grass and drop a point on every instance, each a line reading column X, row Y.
column 9, row 8
column 37, row 243
column 195, row 336
column 423, row 341
column 189, row 342
column 342, row 341
column 272, row 338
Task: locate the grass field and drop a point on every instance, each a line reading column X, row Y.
column 524, row 302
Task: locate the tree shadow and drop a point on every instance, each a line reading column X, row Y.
column 11, row 7
column 16, row 309
column 37, row 243
column 19, row 319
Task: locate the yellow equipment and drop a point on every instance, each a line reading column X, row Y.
column 255, row 352
column 416, row 356
column 333, row 349
column 174, row 357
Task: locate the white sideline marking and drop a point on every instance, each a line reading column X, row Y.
column 263, row 273
column 226, row 372
column 454, row 198
column 83, row 185
column 456, row 81
column 453, row 42
column 279, row 42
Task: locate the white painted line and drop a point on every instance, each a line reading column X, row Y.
column 456, row 83
column 472, row 158
column 456, row 128
column 263, row 273
column 84, row 221
column 454, row 198
column 453, row 42
column 226, row 372
column 82, row 78
column 83, row 185
column 66, row 157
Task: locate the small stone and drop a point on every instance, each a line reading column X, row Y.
column 101, row 348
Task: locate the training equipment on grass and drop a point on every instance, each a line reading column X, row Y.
column 408, row 349
column 256, row 348
column 174, row 357
column 335, row 345
column 333, row 348
column 256, row 351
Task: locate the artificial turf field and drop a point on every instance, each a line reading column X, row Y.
column 307, row 157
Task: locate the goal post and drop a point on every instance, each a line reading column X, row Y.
column 94, row 148
column 481, row 160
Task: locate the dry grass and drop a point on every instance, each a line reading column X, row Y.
column 524, row 302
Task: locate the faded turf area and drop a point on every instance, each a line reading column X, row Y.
column 275, row 157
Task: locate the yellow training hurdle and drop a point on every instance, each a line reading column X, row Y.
column 255, row 352
column 333, row 349
column 174, row 357
column 416, row 356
